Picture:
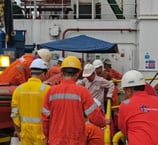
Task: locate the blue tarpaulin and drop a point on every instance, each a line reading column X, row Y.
column 83, row 44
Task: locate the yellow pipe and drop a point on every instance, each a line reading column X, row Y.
column 117, row 137
column 107, row 132
column 4, row 139
column 147, row 79
column 115, row 107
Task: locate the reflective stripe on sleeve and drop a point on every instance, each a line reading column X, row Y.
column 30, row 93
column 15, row 109
column 18, row 87
column 45, row 111
column 90, row 109
column 20, row 67
column 13, row 115
column 43, row 87
column 65, row 96
column 14, row 112
column 30, row 119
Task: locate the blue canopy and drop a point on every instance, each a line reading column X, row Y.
column 83, row 44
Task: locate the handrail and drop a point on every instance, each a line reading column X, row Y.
column 117, row 137
column 115, row 107
column 5, row 139
column 147, row 79
column 107, row 132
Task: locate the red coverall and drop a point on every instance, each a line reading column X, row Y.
column 18, row 72
column 150, row 90
column 63, row 114
column 94, row 135
column 138, row 118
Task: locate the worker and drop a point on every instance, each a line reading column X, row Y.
column 137, row 116
column 96, row 84
column 114, row 74
column 44, row 54
column 19, row 72
column 56, row 69
column 54, row 73
column 94, row 134
column 99, row 69
column 65, row 105
column 27, row 101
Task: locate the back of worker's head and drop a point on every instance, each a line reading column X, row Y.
column 134, row 79
column 88, row 70
column 71, row 65
column 97, row 63
column 45, row 54
column 38, row 66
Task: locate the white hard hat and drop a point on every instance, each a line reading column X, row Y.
column 45, row 54
column 60, row 59
column 97, row 63
column 132, row 78
column 38, row 64
column 107, row 61
column 88, row 70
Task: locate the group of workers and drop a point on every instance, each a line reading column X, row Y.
column 72, row 109
column 19, row 70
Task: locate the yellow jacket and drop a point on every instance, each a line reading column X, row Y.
column 27, row 101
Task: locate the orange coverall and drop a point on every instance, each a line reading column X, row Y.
column 54, row 70
column 115, row 74
column 18, row 72
column 54, row 80
column 63, row 113
column 94, row 135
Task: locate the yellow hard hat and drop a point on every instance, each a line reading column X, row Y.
column 71, row 62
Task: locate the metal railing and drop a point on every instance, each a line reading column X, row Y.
column 77, row 10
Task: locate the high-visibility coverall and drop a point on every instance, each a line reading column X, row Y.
column 53, row 70
column 114, row 74
column 138, row 119
column 63, row 113
column 27, row 101
column 18, row 72
column 150, row 90
column 54, row 80
column 94, row 135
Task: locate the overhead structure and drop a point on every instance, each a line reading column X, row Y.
column 82, row 44
column 116, row 9
column 8, row 19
